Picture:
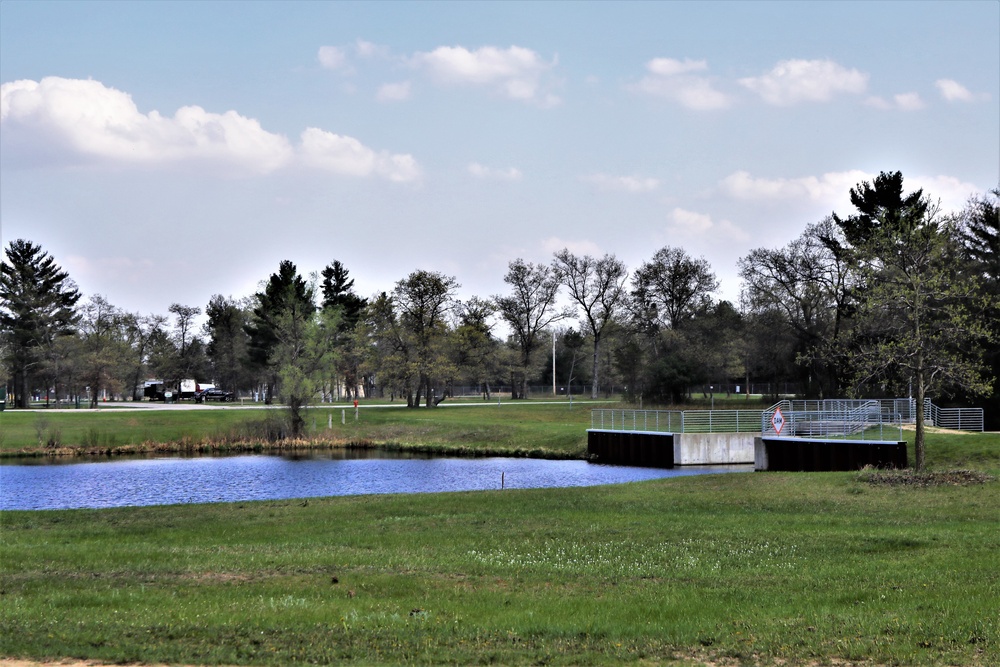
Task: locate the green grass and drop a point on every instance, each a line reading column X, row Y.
column 516, row 428
column 760, row 568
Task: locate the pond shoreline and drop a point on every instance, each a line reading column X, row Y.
column 288, row 446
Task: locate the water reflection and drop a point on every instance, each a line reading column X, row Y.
column 171, row 480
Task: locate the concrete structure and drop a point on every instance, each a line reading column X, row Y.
column 666, row 450
column 692, row 449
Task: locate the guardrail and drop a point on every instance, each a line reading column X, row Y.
column 677, row 421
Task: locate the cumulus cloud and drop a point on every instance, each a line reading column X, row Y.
column 516, row 72
column 794, row 81
column 900, row 102
column 488, row 173
column 951, row 192
column 348, row 156
column 831, row 191
column 632, row 184
column 332, row 57
column 366, row 49
column 689, row 225
column 73, row 121
column 674, row 80
column 393, row 92
column 953, row 91
column 76, row 120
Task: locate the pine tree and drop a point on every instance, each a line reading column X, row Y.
column 37, row 306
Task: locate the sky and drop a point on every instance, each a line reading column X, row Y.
column 164, row 152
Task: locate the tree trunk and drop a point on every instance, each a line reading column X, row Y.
column 597, row 350
column 21, row 389
column 918, row 440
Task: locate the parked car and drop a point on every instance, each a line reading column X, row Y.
column 214, row 394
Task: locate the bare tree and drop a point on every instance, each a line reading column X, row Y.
column 598, row 288
column 528, row 310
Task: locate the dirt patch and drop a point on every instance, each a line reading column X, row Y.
column 923, row 479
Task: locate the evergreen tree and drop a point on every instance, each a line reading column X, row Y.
column 37, row 307
column 278, row 317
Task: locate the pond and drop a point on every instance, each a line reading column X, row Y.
column 34, row 485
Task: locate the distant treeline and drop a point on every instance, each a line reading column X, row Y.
column 896, row 299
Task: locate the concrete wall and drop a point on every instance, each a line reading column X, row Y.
column 713, row 448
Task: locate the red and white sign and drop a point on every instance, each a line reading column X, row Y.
column 777, row 421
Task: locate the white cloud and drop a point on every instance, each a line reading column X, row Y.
column 690, row 225
column 831, row 191
column 901, row 102
column 554, row 244
column 339, row 58
column 950, row 191
column 672, row 79
column 366, row 49
column 488, row 173
column 671, row 67
column 393, row 92
column 908, row 101
column 633, row 184
column 953, row 91
column 332, row 57
column 515, row 72
column 73, row 120
column 348, row 156
column 794, row 81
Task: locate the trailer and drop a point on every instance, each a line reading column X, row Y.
column 158, row 390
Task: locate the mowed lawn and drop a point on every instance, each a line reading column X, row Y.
column 768, row 568
column 761, row 567
column 535, row 428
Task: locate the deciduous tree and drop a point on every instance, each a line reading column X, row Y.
column 811, row 283
column 528, row 310
column 672, row 287
column 423, row 299
column 597, row 286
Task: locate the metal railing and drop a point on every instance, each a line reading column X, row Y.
column 677, row 421
column 960, row 419
column 848, row 419
column 879, row 419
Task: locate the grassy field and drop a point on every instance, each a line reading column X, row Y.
column 518, row 428
column 763, row 568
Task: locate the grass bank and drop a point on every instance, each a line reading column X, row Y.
column 762, row 568
column 522, row 428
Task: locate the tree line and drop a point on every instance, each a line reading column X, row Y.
column 895, row 299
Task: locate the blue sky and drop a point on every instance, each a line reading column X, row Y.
column 167, row 151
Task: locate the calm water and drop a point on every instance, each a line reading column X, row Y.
column 161, row 481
